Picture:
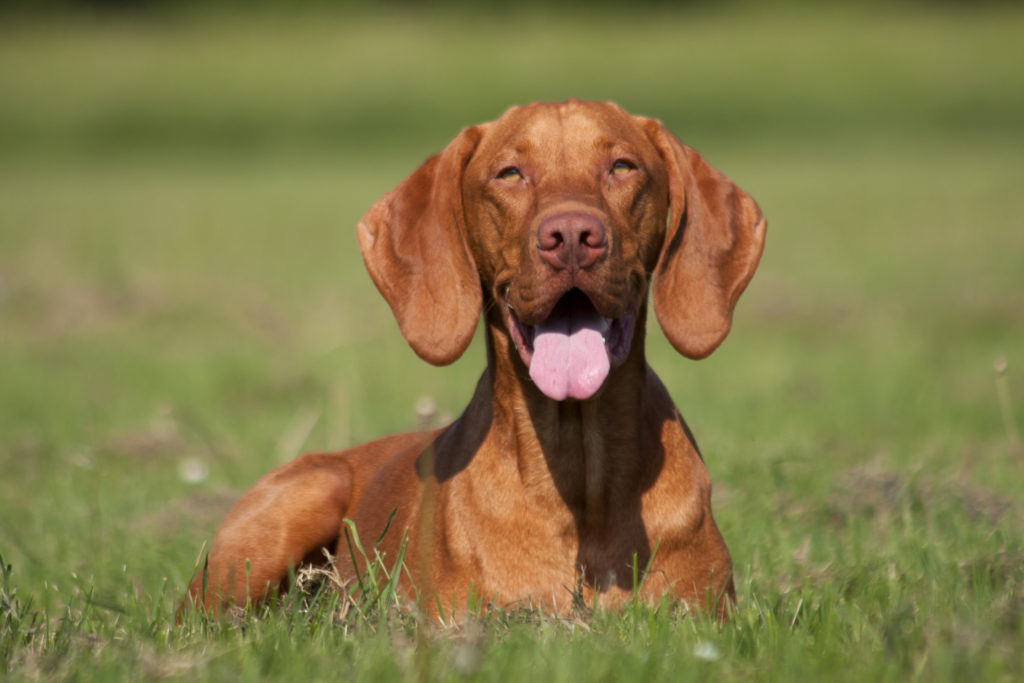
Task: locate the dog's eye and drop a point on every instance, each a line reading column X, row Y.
column 622, row 167
column 511, row 174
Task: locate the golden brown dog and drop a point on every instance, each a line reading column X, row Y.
column 571, row 465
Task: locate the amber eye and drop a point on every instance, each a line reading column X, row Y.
column 511, row 174
column 622, row 167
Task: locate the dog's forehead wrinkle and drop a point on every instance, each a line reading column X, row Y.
column 565, row 146
column 559, row 135
column 563, row 157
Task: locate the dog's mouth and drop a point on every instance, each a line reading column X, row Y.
column 570, row 352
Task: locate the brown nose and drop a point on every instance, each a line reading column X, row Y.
column 571, row 240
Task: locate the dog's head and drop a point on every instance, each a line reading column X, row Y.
column 560, row 214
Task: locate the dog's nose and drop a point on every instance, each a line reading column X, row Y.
column 572, row 240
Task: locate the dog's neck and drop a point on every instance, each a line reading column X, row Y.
column 581, row 465
column 592, row 450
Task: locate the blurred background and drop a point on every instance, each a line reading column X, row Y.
column 183, row 306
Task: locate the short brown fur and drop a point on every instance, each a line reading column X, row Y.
column 528, row 497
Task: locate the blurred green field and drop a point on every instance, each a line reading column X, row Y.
column 181, row 291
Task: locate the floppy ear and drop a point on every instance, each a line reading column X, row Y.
column 412, row 241
column 712, row 246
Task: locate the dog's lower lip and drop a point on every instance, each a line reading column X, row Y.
column 522, row 335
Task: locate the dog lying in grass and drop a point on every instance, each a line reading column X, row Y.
column 571, row 468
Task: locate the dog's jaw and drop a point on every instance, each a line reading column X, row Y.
column 571, row 351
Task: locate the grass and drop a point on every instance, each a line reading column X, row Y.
column 182, row 307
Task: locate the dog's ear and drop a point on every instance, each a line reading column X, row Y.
column 413, row 243
column 712, row 245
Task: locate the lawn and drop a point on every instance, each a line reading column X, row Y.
column 183, row 307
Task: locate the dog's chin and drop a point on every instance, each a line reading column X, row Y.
column 573, row 349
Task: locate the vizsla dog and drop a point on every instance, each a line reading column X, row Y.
column 571, row 465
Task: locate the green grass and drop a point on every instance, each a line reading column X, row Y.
column 180, row 284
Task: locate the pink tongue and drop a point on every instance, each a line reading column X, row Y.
column 569, row 357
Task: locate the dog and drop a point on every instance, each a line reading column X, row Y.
column 571, row 467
